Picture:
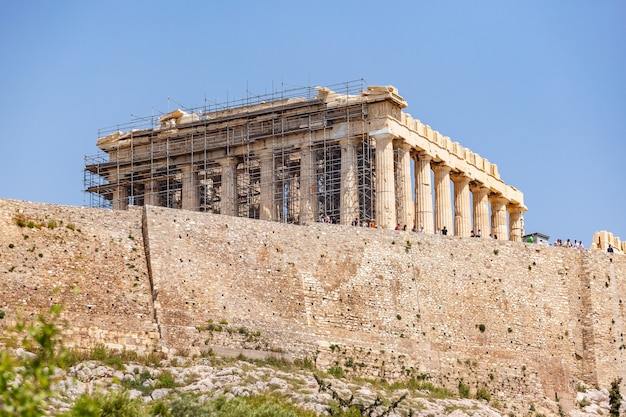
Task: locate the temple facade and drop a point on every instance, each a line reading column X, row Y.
column 349, row 155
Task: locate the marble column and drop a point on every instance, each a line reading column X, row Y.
column 308, row 187
column 267, row 208
column 152, row 192
column 405, row 205
column 515, row 222
column 462, row 209
column 385, row 185
column 423, row 193
column 443, row 201
column 190, row 188
column 498, row 217
column 349, row 209
column 229, row 186
column 481, row 209
column 120, row 198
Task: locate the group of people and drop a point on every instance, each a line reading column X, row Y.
column 326, row 219
column 578, row 244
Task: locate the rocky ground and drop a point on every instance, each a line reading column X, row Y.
column 210, row 378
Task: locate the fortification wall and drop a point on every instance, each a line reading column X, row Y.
column 522, row 321
column 90, row 261
column 377, row 305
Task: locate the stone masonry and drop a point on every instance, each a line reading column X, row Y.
column 523, row 321
column 351, row 157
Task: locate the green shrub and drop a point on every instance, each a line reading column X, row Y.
column 98, row 352
column 464, row 390
column 481, row 327
column 615, row 398
column 116, row 404
column 165, row 380
column 26, row 380
column 483, row 394
column 138, row 383
column 336, row 371
column 20, row 220
column 421, row 384
column 189, row 405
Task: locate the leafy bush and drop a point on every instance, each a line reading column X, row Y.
column 116, row 404
column 189, row 405
column 139, row 383
column 464, row 390
column 336, row 371
column 615, row 397
column 165, row 380
column 20, row 220
column 483, row 394
column 26, row 378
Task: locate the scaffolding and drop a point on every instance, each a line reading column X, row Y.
column 153, row 165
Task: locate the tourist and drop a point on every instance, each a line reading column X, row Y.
column 404, row 228
column 479, row 234
column 444, row 231
column 610, row 249
column 472, row 234
column 414, row 230
column 421, row 229
column 568, row 244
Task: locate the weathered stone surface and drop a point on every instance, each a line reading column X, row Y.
column 376, row 303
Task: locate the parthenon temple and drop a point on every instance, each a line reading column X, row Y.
column 345, row 152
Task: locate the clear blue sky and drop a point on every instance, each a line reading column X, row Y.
column 537, row 87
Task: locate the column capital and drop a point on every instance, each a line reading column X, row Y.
column 350, row 141
column 382, row 134
column 498, row 198
column 404, row 146
column 478, row 187
column 515, row 208
column 440, row 167
column 424, row 156
column 229, row 161
column 460, row 177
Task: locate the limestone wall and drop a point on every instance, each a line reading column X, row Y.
column 90, row 261
column 378, row 305
column 523, row 321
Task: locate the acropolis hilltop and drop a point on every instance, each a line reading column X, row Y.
column 529, row 324
column 345, row 152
